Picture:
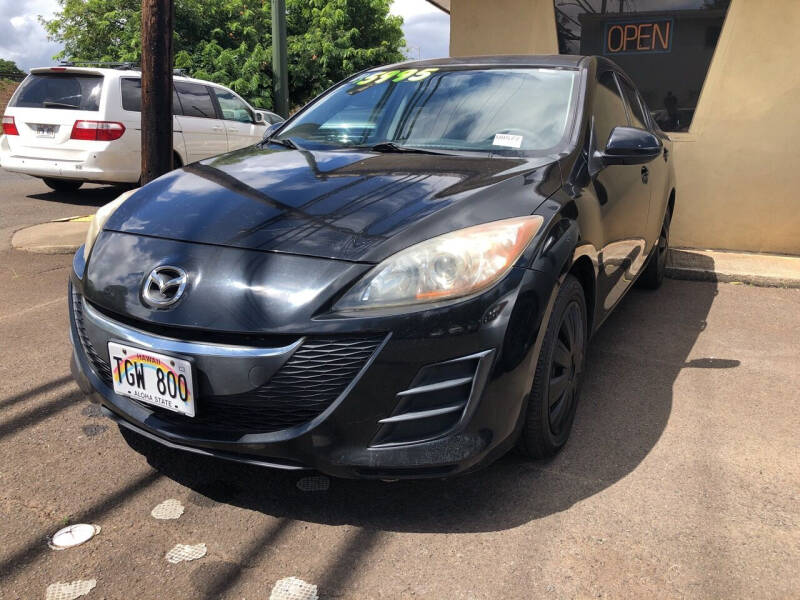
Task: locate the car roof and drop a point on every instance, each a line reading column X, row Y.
column 522, row 60
column 112, row 73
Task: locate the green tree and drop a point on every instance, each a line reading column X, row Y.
column 9, row 67
column 230, row 41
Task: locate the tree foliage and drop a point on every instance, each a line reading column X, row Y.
column 9, row 67
column 230, row 41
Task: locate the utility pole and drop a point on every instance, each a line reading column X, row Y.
column 280, row 78
column 157, row 22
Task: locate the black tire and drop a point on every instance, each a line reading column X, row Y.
column 653, row 275
column 557, row 381
column 62, row 185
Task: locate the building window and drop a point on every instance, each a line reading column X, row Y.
column 664, row 45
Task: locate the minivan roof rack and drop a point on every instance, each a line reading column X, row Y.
column 124, row 66
column 128, row 65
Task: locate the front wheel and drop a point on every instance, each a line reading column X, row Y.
column 557, row 381
column 62, row 185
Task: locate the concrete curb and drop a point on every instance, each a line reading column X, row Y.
column 58, row 237
column 763, row 270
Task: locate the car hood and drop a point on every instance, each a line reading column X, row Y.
column 352, row 205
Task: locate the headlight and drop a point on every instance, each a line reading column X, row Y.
column 100, row 219
column 450, row 266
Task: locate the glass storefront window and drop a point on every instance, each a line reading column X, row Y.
column 664, row 45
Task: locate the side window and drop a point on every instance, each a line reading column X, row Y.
column 608, row 108
column 638, row 118
column 132, row 96
column 232, row 108
column 195, row 100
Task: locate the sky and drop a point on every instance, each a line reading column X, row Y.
column 427, row 28
column 23, row 40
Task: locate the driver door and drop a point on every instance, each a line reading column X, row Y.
column 623, row 198
column 238, row 119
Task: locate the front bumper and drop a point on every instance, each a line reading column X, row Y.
column 415, row 403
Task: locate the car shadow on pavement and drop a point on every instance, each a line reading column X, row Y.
column 90, row 196
column 627, row 398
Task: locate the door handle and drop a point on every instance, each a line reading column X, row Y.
column 645, row 174
column 217, row 128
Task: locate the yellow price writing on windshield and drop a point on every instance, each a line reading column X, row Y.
column 397, row 76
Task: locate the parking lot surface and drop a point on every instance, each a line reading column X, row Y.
column 681, row 478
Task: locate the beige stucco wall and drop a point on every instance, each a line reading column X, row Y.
column 739, row 166
column 502, row 27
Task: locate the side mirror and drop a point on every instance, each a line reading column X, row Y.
column 270, row 131
column 259, row 118
column 630, row 146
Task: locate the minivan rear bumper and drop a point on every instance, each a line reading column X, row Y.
column 104, row 167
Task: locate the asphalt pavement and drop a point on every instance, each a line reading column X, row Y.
column 680, row 481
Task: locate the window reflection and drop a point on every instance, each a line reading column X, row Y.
column 664, row 45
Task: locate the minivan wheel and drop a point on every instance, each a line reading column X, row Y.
column 653, row 275
column 557, row 381
column 62, row 185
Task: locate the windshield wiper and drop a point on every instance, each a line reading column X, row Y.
column 394, row 147
column 286, row 142
column 49, row 104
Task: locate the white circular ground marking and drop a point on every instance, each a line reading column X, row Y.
column 292, row 588
column 316, row 483
column 183, row 552
column 69, row 591
column 73, row 535
column 168, row 509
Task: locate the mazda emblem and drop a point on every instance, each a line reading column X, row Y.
column 164, row 286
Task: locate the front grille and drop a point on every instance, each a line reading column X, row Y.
column 101, row 367
column 310, row 381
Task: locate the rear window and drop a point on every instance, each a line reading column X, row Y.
column 59, row 90
column 132, row 96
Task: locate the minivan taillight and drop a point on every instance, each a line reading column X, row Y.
column 99, row 131
column 9, row 127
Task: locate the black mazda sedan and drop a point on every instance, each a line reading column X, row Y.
column 399, row 281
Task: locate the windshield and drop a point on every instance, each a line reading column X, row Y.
column 50, row 90
column 486, row 110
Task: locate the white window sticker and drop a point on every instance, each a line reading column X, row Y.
column 506, row 139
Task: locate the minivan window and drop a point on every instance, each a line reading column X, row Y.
column 232, row 108
column 196, row 100
column 132, row 96
column 59, row 90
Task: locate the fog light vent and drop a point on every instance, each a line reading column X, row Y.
column 436, row 400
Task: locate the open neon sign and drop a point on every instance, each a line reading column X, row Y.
column 635, row 37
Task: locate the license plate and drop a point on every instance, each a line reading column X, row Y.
column 45, row 131
column 163, row 381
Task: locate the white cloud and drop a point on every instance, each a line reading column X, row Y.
column 22, row 38
column 427, row 28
